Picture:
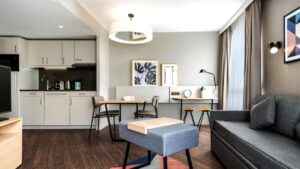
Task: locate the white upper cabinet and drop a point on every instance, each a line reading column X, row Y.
column 8, row 45
column 35, row 53
column 52, row 52
column 14, row 45
column 85, row 51
column 44, row 53
column 68, row 53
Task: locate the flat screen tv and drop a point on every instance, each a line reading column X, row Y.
column 5, row 90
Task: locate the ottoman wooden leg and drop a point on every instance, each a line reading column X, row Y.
column 126, row 155
column 188, row 156
column 166, row 162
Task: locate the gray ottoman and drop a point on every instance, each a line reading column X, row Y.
column 164, row 141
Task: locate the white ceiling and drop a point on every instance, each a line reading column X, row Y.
column 167, row 15
column 40, row 19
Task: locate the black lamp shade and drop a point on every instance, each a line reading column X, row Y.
column 274, row 47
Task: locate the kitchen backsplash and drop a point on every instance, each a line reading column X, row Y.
column 86, row 75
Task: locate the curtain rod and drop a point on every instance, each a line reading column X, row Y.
column 236, row 15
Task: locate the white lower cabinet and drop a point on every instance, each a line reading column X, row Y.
column 57, row 109
column 81, row 108
column 32, row 108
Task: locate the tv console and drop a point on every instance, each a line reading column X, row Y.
column 10, row 143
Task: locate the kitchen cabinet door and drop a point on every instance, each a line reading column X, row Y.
column 68, row 53
column 85, row 51
column 8, row 45
column 35, row 53
column 81, row 110
column 32, row 108
column 52, row 52
column 57, row 107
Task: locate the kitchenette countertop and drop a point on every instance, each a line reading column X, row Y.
column 38, row 90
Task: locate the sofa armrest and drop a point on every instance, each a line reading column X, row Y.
column 230, row 115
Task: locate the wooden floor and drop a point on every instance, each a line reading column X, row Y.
column 70, row 149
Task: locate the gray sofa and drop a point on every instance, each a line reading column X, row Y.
column 238, row 146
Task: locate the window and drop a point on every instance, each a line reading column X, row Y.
column 236, row 65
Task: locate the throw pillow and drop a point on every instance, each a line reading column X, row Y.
column 298, row 131
column 287, row 115
column 262, row 114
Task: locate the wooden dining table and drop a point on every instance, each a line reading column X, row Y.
column 119, row 102
column 194, row 99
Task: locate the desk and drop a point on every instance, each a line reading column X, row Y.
column 181, row 100
column 120, row 102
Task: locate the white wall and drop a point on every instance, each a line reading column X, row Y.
column 190, row 51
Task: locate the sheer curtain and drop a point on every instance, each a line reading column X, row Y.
column 236, row 65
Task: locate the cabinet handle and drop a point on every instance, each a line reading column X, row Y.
column 16, row 48
column 32, row 93
column 43, row 60
column 47, row 60
column 57, row 94
column 40, row 101
column 63, row 60
column 71, row 101
column 78, row 59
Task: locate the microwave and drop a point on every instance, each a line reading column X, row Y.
column 10, row 60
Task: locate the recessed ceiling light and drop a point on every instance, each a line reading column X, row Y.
column 60, row 26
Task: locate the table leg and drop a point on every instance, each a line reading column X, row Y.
column 120, row 115
column 181, row 109
column 109, row 125
column 212, row 104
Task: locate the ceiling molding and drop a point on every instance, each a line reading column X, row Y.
column 236, row 15
column 83, row 14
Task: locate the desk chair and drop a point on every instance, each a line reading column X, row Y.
column 101, row 114
column 149, row 113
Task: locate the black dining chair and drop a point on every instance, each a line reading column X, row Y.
column 149, row 113
column 101, row 114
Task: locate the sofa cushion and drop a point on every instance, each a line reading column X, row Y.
column 298, row 131
column 287, row 115
column 264, row 148
column 263, row 113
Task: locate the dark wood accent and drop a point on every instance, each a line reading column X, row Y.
column 65, row 149
column 87, row 75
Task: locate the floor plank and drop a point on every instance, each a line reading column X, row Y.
column 70, row 149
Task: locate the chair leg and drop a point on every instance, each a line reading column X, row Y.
column 98, row 125
column 200, row 120
column 115, row 127
column 91, row 128
column 188, row 156
column 208, row 116
column 184, row 117
column 166, row 162
column 126, row 155
column 191, row 112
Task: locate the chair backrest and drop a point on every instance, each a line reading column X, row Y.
column 155, row 101
column 96, row 99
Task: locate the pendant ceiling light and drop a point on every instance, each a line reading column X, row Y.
column 130, row 32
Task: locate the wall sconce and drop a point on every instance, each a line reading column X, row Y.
column 274, row 47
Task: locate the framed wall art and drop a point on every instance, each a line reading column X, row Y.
column 292, row 36
column 144, row 73
column 169, row 74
